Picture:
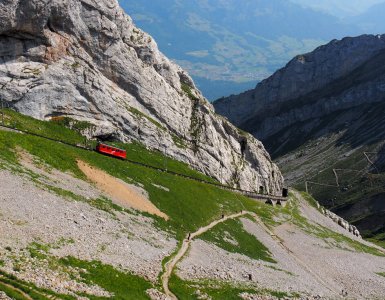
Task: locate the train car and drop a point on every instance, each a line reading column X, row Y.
column 111, row 151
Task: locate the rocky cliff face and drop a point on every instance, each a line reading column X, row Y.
column 85, row 59
column 339, row 75
column 322, row 117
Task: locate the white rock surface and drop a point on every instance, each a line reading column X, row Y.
column 85, row 59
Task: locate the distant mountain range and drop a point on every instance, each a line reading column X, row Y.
column 228, row 46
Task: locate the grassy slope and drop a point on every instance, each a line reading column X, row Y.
column 330, row 237
column 19, row 289
column 121, row 285
column 244, row 242
column 189, row 204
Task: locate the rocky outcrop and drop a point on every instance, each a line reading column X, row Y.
column 340, row 221
column 86, row 60
column 340, row 75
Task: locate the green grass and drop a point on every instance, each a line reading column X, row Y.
column 179, row 142
column 37, row 250
column 187, row 89
column 139, row 153
column 312, row 202
column 13, row 294
column 29, row 288
column 378, row 239
column 381, row 274
column 122, row 285
column 232, row 237
column 189, row 204
column 332, row 238
column 186, row 290
column 54, row 130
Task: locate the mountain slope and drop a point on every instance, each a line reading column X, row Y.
column 322, row 118
column 223, row 41
column 66, row 238
column 86, row 60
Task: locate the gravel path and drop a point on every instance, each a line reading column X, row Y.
column 170, row 265
column 305, row 263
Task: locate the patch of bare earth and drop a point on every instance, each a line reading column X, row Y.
column 30, row 214
column 121, row 193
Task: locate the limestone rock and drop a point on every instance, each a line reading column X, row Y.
column 340, row 221
column 85, row 59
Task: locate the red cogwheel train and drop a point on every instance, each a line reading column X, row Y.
column 122, row 154
column 111, row 151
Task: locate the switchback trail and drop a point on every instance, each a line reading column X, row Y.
column 170, row 265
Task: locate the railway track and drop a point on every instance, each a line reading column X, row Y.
column 246, row 193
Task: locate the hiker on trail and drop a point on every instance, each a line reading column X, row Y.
column 189, row 236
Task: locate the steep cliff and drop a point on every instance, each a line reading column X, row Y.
column 86, row 60
column 322, row 117
column 339, row 75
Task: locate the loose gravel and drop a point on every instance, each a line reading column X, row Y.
column 314, row 267
column 305, row 263
column 127, row 241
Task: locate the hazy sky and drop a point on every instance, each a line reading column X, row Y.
column 340, row 8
